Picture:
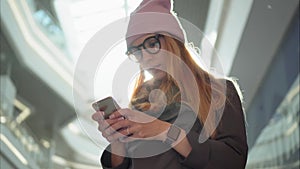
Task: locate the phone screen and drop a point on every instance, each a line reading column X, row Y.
column 107, row 105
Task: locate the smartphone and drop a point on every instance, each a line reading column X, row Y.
column 108, row 105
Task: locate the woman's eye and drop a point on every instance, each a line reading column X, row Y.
column 152, row 44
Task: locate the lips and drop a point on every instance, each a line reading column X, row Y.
column 152, row 66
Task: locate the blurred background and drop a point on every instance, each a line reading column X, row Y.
column 257, row 42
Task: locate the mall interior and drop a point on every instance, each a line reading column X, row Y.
column 257, row 42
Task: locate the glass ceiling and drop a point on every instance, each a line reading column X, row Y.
column 81, row 19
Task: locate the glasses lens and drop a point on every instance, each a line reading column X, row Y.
column 152, row 45
column 135, row 54
column 132, row 57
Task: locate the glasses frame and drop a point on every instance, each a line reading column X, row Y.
column 138, row 47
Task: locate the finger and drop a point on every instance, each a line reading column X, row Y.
column 120, row 113
column 121, row 124
column 108, row 138
column 104, row 135
column 104, row 124
column 127, row 139
column 97, row 116
column 112, row 137
column 130, row 130
column 116, row 136
column 114, row 115
column 125, row 131
column 109, row 131
column 137, row 131
column 116, row 127
column 109, row 122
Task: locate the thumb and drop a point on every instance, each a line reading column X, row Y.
column 125, row 112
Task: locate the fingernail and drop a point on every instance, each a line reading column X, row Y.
column 112, row 116
column 121, row 139
column 121, row 118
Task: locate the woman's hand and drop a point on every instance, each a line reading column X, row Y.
column 131, row 125
column 127, row 125
column 104, row 124
column 117, row 147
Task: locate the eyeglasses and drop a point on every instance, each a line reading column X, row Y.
column 150, row 44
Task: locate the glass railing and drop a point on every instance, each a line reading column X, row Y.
column 278, row 144
column 24, row 140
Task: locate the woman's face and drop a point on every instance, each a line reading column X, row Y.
column 148, row 50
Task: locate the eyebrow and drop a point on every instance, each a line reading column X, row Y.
column 152, row 34
column 138, row 46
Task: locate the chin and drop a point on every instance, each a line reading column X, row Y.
column 158, row 74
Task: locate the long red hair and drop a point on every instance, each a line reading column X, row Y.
column 210, row 90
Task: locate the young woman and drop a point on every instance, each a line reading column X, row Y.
column 167, row 114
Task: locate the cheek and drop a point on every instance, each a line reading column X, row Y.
column 162, row 59
column 165, row 63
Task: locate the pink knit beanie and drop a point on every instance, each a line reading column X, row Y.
column 153, row 16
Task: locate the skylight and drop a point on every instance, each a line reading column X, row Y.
column 81, row 19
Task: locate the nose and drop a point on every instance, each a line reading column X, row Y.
column 147, row 57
